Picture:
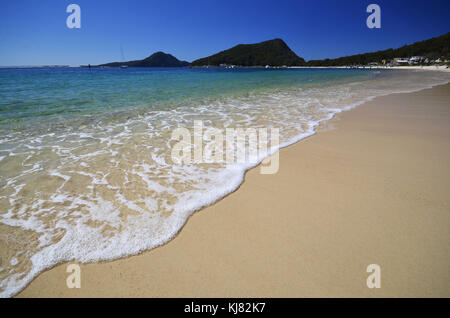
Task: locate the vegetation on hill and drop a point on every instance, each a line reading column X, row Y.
column 273, row 52
column 158, row 59
column 433, row 48
column 277, row 53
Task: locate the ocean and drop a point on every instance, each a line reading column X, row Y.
column 86, row 172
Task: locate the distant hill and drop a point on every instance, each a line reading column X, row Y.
column 273, row 52
column 432, row 48
column 158, row 59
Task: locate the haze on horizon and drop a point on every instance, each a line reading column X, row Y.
column 35, row 33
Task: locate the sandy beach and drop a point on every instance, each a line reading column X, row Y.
column 371, row 187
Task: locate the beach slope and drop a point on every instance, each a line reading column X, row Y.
column 371, row 187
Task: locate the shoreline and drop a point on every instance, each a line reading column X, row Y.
column 441, row 68
column 52, row 282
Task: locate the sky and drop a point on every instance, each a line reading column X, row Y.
column 35, row 32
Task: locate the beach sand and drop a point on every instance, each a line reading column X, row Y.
column 371, row 187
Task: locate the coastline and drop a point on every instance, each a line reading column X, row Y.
column 331, row 195
column 441, row 68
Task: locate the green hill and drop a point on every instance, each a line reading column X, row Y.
column 273, row 52
column 158, row 59
column 432, row 49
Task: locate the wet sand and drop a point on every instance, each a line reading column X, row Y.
column 371, row 187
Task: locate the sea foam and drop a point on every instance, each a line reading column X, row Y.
column 109, row 189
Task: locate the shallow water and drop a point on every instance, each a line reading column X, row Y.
column 86, row 172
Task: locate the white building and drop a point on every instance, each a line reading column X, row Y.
column 400, row 61
column 416, row 59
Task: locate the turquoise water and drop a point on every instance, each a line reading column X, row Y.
column 29, row 95
column 86, row 166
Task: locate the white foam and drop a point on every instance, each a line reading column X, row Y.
column 296, row 112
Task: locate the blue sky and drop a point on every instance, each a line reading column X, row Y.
column 35, row 32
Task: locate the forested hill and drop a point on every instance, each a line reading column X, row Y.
column 273, row 52
column 433, row 48
column 158, row 59
column 277, row 53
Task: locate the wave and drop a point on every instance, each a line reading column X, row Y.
column 107, row 189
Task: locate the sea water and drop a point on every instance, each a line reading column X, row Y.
column 86, row 172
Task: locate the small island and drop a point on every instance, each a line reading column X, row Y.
column 158, row 59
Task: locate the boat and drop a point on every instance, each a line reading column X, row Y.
column 123, row 58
